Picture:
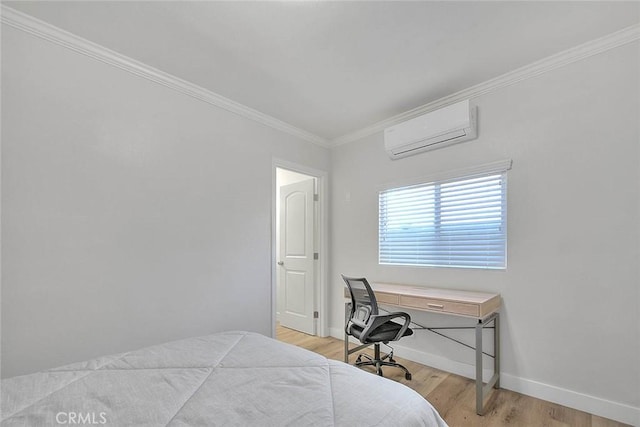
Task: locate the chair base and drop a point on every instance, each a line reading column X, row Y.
column 378, row 362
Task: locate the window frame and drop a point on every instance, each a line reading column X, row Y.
column 437, row 182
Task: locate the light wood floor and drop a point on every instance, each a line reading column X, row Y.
column 454, row 396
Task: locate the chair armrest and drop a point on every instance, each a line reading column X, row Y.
column 378, row 319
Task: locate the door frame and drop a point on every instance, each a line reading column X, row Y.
column 321, row 297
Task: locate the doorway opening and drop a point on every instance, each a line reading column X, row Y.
column 298, row 249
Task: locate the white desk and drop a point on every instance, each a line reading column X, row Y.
column 480, row 306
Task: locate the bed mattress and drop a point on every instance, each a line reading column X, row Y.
column 225, row 379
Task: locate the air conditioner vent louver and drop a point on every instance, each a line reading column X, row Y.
column 440, row 128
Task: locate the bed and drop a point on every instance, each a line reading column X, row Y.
column 225, row 379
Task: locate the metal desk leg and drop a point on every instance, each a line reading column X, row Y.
column 496, row 349
column 347, row 311
column 483, row 390
column 346, row 348
column 479, row 394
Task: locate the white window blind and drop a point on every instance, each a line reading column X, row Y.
column 458, row 222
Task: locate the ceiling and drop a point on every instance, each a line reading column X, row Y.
column 331, row 68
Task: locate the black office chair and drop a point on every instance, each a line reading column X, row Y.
column 370, row 327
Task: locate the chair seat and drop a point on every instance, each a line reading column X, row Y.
column 383, row 333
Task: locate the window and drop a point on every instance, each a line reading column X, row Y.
column 459, row 222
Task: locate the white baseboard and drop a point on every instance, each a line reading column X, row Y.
column 594, row 405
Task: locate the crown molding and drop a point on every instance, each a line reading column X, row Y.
column 51, row 33
column 585, row 50
column 46, row 31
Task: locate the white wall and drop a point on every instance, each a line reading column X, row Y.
column 132, row 214
column 571, row 326
column 286, row 177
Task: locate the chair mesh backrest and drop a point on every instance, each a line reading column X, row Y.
column 363, row 300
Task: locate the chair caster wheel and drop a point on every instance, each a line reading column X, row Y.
column 407, row 376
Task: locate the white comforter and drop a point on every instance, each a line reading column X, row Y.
column 226, row 379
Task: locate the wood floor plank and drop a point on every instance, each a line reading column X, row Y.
column 597, row 421
column 454, row 396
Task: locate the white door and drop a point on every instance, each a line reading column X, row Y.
column 295, row 261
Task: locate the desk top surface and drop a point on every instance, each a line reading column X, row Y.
column 438, row 293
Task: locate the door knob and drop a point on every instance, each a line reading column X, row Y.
column 280, row 262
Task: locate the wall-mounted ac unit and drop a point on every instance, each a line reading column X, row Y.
column 437, row 129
